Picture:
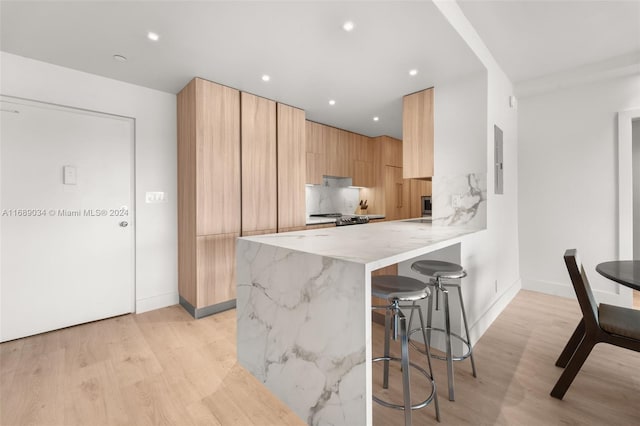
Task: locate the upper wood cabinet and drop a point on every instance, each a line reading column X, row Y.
column 291, row 168
column 391, row 151
column 259, row 173
column 333, row 152
column 417, row 134
column 314, row 142
column 362, row 158
column 209, row 156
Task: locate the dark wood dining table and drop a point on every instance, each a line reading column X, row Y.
column 625, row 272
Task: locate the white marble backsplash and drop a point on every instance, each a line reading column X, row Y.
column 460, row 200
column 333, row 196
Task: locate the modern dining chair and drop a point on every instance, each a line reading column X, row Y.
column 615, row 325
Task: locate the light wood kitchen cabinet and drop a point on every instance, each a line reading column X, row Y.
column 259, row 174
column 391, row 151
column 334, row 154
column 417, row 188
column 362, row 156
column 396, row 194
column 315, row 157
column 291, row 168
column 216, row 276
column 208, row 193
column 363, row 174
column 417, row 134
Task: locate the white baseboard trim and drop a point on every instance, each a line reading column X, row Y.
column 156, row 302
column 489, row 316
column 566, row 290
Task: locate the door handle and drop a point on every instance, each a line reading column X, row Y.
column 124, row 224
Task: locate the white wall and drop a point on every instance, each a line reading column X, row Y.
column 568, row 182
column 635, row 143
column 460, row 125
column 491, row 256
column 155, row 115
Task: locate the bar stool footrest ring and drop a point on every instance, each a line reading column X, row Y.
column 421, row 370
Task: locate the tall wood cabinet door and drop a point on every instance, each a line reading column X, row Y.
column 217, row 158
column 395, row 193
column 216, row 265
column 333, row 162
column 187, row 193
column 346, row 149
column 363, row 155
column 259, row 172
column 417, row 134
column 315, row 153
column 313, row 137
column 291, row 168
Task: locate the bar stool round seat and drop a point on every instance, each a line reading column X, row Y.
column 405, row 289
column 397, row 289
column 439, row 273
column 439, row 268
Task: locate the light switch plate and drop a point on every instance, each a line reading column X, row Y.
column 69, row 175
column 155, row 197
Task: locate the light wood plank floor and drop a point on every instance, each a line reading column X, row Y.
column 164, row 368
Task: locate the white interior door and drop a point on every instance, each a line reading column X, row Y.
column 67, row 224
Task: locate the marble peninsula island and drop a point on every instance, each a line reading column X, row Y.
column 304, row 310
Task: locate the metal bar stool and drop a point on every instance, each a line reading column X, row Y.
column 438, row 271
column 397, row 289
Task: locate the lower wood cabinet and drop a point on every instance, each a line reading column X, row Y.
column 216, row 270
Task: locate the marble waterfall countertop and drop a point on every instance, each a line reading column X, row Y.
column 304, row 311
column 376, row 244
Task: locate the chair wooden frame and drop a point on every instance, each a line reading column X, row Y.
column 588, row 333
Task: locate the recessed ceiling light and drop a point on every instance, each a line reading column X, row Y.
column 265, row 77
column 119, row 58
column 376, row 118
column 332, row 102
column 348, row 26
column 153, row 36
column 413, row 72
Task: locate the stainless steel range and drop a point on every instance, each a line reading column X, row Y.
column 344, row 219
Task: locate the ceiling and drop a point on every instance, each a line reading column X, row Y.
column 308, row 55
column 532, row 39
column 301, row 45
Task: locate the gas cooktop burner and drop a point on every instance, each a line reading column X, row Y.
column 351, row 220
column 344, row 219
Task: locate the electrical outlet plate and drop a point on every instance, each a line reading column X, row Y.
column 456, row 201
